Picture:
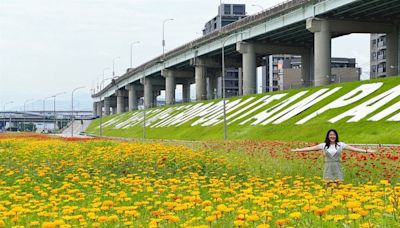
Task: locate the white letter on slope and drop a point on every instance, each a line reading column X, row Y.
column 349, row 98
column 369, row 106
column 302, row 105
column 260, row 117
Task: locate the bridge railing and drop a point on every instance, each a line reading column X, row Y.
column 244, row 22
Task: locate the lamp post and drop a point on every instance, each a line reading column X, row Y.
column 133, row 43
column 113, row 66
column 163, row 36
column 54, row 105
column 4, row 113
column 24, row 129
column 44, row 113
column 72, row 109
column 223, row 82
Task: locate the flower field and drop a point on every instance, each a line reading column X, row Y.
column 49, row 182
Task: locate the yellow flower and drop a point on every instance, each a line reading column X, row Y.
column 295, row 215
column 354, row 216
column 102, row 219
column 211, row 218
column 112, row 218
column 281, row 222
column 263, row 226
column 48, row 225
column 253, row 218
column 239, row 222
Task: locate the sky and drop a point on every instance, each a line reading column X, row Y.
column 49, row 47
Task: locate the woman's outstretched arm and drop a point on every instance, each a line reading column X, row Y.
column 352, row 148
column 306, row 149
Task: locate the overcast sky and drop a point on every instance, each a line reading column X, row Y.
column 53, row 46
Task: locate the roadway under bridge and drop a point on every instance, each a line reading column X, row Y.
column 41, row 119
column 300, row 27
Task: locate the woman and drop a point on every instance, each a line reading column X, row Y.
column 332, row 149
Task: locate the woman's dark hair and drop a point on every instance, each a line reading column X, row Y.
column 327, row 141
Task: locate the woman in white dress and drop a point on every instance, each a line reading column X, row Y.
column 332, row 149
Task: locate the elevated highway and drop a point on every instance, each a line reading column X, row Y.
column 302, row 27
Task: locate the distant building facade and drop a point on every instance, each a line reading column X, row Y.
column 378, row 56
column 227, row 13
column 282, row 72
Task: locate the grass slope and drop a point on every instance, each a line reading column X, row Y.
column 314, row 130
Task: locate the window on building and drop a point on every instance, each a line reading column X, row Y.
column 238, row 10
column 227, row 9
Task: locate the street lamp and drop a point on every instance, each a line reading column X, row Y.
column 44, row 113
column 72, row 109
column 223, row 81
column 163, row 35
column 113, row 66
column 54, row 105
column 25, row 113
column 133, row 43
column 4, row 113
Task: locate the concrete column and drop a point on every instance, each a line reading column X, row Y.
column 322, row 50
column 186, row 91
column 132, row 98
column 95, row 109
column 107, row 104
column 200, row 80
column 240, row 81
column 114, row 110
column 170, row 87
column 392, row 55
column 99, row 108
column 121, row 94
column 306, row 68
column 148, row 93
column 249, row 67
column 212, row 87
column 156, row 93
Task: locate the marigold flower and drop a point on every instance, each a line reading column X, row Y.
column 281, row 222
column 295, row 215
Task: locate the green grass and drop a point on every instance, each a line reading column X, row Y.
column 312, row 131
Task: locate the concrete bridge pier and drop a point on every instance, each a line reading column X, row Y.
column 148, row 92
column 99, row 106
column 121, row 94
column 212, row 83
column 392, row 55
column 132, row 97
column 170, row 86
column 186, row 91
column 249, row 67
column 95, row 109
column 322, row 49
column 107, row 104
column 156, row 93
column 200, row 72
column 306, row 68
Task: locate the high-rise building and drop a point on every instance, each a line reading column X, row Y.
column 378, row 55
column 227, row 13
